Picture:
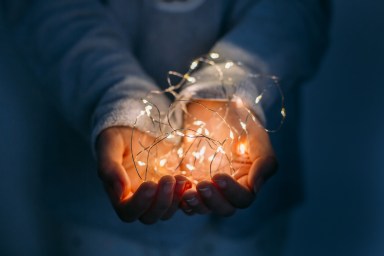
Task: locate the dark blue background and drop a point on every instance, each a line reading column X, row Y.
column 342, row 142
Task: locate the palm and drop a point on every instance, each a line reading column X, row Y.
column 136, row 178
column 227, row 135
column 241, row 148
column 132, row 197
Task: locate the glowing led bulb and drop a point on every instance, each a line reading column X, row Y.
column 214, row 55
column 180, row 152
column 241, row 149
column 228, row 65
column 163, row 162
column 190, row 167
column 194, row 65
column 201, row 146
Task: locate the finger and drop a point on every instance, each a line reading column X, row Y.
column 262, row 169
column 115, row 181
column 163, row 200
column 135, row 206
column 110, row 150
column 238, row 195
column 258, row 136
column 193, row 201
column 214, row 200
column 186, row 208
column 182, row 184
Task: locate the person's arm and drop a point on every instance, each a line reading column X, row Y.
column 284, row 38
column 277, row 37
column 84, row 61
column 87, row 69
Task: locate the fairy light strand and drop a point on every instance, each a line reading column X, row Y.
column 202, row 149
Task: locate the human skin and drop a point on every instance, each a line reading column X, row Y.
column 150, row 201
column 224, row 193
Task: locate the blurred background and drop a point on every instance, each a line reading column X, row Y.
column 342, row 143
column 343, row 140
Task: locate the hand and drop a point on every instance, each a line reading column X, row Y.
column 224, row 193
column 132, row 198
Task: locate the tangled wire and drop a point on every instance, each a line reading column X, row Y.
column 203, row 132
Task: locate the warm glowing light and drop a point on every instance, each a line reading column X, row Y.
column 148, row 110
column 258, row 98
column 162, row 162
column 180, row 133
column 239, row 103
column 180, row 152
column 220, row 150
column 214, row 55
column 142, row 112
column 228, row 65
column 243, row 125
column 196, row 155
column 202, row 146
column 194, row 65
column 190, row 79
column 190, row 167
column 198, row 123
column 241, row 149
column 202, row 150
column 283, row 113
column 141, row 163
column 231, row 135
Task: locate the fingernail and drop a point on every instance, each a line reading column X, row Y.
column 192, row 201
column 221, row 183
column 168, row 187
column 150, row 192
column 205, row 191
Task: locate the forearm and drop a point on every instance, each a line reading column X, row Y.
column 84, row 62
column 278, row 37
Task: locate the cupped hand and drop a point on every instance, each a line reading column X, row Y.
column 132, row 198
column 225, row 193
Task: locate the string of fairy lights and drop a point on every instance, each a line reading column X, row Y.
column 199, row 137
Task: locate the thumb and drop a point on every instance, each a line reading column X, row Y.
column 115, row 180
column 261, row 169
column 110, row 151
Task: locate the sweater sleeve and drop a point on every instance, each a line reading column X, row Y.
column 83, row 59
column 268, row 46
column 285, row 38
